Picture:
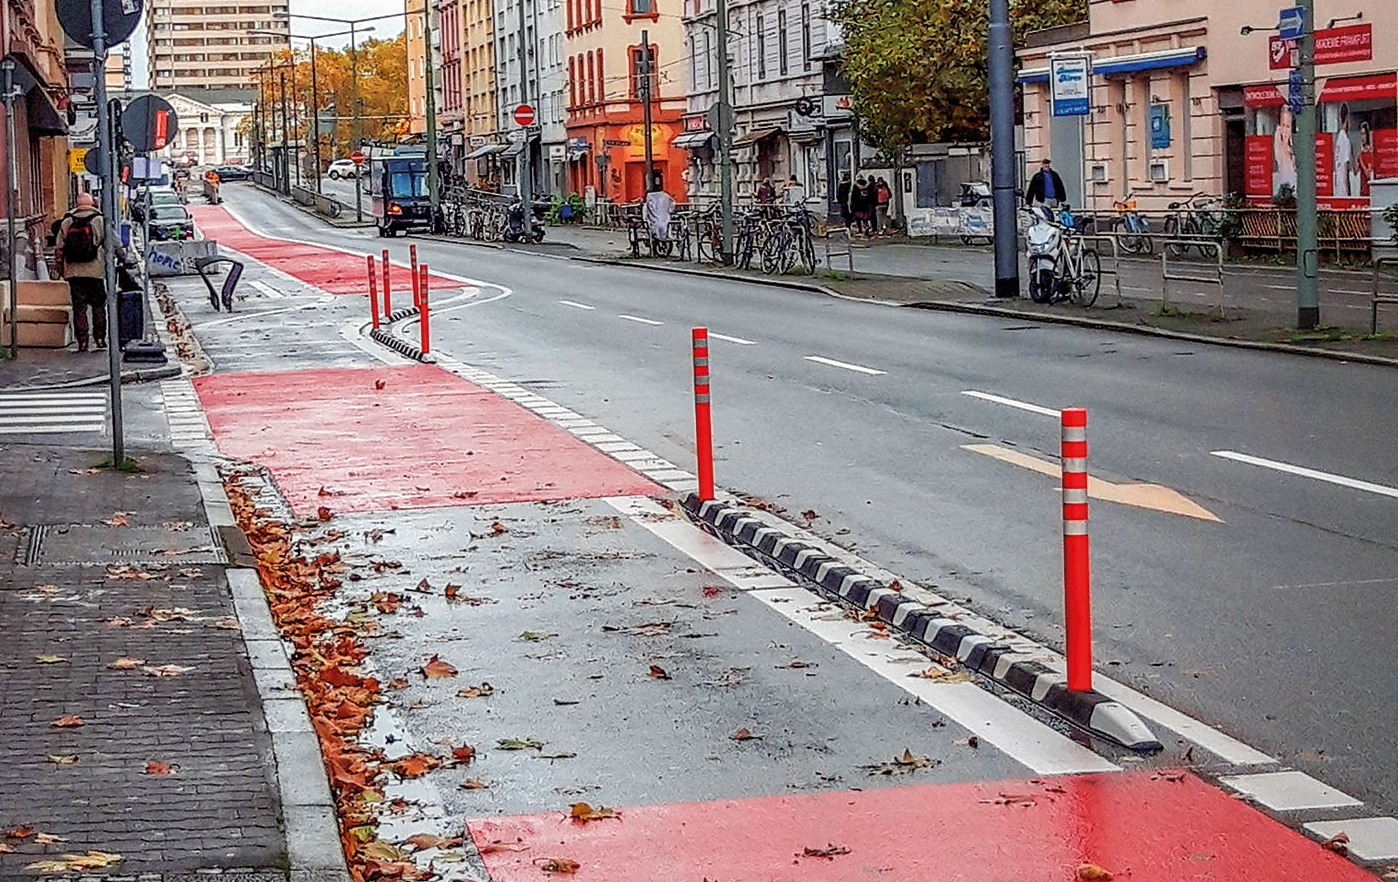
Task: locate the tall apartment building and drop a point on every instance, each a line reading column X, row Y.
column 542, row 87
column 415, row 35
column 117, row 73
column 195, row 46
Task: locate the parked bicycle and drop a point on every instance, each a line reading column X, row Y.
column 790, row 244
column 1136, row 239
column 1198, row 217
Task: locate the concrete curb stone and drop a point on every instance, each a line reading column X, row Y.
column 1091, row 711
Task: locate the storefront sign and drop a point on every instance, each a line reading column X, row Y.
column 1159, row 126
column 1332, row 46
column 615, row 142
column 836, row 106
column 1258, row 166
column 1070, row 79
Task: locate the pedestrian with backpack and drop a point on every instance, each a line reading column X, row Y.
column 80, row 239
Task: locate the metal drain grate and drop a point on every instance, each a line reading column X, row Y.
column 96, row 544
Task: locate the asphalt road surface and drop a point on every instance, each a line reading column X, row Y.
column 1267, row 611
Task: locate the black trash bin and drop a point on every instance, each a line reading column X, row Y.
column 130, row 317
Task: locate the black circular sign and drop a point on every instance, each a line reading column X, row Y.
column 148, row 123
column 119, row 20
column 93, row 161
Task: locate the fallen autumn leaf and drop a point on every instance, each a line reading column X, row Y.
column 1092, row 873
column 581, row 811
column 71, row 721
column 658, row 673
column 436, row 669
column 563, row 866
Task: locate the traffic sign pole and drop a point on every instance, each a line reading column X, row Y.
column 1307, row 246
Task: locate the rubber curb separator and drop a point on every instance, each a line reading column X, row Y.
column 382, row 336
column 1091, row 711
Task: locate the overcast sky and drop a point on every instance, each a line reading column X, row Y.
column 349, row 9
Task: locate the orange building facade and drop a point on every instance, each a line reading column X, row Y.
column 606, row 132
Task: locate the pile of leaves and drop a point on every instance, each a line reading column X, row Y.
column 326, row 657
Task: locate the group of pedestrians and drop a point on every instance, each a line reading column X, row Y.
column 792, row 195
column 864, row 204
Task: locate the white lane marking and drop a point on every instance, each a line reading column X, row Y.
column 51, row 429
column 267, row 289
column 1370, row 839
column 1345, row 584
column 1010, row 402
column 1350, row 291
column 1289, row 791
column 328, row 298
column 13, row 410
column 1020, row 736
column 1226, row 747
column 576, row 305
column 739, row 340
column 1341, row 480
column 844, row 364
column 1281, row 287
column 637, row 318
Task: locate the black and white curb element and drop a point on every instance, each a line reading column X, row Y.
column 1091, row 711
column 384, row 336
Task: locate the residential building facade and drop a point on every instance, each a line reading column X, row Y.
column 416, row 36
column 450, row 83
column 479, row 109
column 209, row 133
column 1183, row 102
column 195, row 46
column 541, row 86
column 792, row 116
column 35, row 43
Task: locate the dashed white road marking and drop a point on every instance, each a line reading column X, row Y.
column 1010, row 402
column 637, row 318
column 1340, row 480
column 576, row 305
column 1289, row 791
column 739, row 340
column 1348, row 583
column 267, row 289
column 818, row 359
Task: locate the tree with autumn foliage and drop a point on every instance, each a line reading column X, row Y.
column 383, row 94
column 918, row 68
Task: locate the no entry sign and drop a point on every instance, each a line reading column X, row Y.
column 524, row 115
column 357, row 157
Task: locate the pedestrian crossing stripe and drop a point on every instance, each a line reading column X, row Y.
column 38, row 413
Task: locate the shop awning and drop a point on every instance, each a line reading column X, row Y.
column 1125, row 64
column 514, row 149
column 752, row 137
column 486, row 150
column 1378, row 87
column 692, row 140
column 44, row 117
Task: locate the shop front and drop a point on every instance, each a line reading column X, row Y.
column 613, row 162
column 1357, row 141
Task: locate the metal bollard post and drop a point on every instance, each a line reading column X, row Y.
column 422, row 310
column 412, row 255
column 373, row 292
column 387, row 297
column 703, row 425
column 1077, row 579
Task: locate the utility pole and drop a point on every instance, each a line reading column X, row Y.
column 432, row 183
column 723, row 130
column 645, row 109
column 1307, row 246
column 106, row 147
column 525, row 193
column 11, row 203
column 1002, row 149
column 354, row 102
column 298, row 138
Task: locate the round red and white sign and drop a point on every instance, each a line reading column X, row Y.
column 524, row 115
column 357, row 157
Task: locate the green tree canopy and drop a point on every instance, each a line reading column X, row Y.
column 917, row 68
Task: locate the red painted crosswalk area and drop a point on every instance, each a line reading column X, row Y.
column 327, row 269
column 1147, row 827
column 375, row 439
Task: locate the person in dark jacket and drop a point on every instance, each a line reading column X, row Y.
column 859, row 204
column 842, row 196
column 1046, row 186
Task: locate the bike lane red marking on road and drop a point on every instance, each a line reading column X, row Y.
column 427, row 438
column 326, row 268
column 1139, row 826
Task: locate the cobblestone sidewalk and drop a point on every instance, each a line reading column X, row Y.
column 135, row 744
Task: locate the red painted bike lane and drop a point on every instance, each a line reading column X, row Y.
column 326, row 268
column 1142, row 826
column 383, row 438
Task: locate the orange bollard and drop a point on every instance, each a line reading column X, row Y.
column 422, row 311
column 703, row 426
column 373, row 292
column 412, row 255
column 387, row 298
column 1077, row 577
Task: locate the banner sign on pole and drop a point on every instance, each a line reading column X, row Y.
column 1071, row 85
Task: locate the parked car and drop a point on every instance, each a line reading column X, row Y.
column 170, row 222
column 233, row 172
column 158, row 196
column 343, row 168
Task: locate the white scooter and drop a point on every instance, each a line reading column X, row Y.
column 1044, row 243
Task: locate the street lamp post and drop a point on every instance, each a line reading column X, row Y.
column 431, row 110
column 1002, row 149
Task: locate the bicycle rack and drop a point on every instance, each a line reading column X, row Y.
column 838, row 236
column 1213, row 278
column 1378, row 298
column 235, row 271
column 1115, row 271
